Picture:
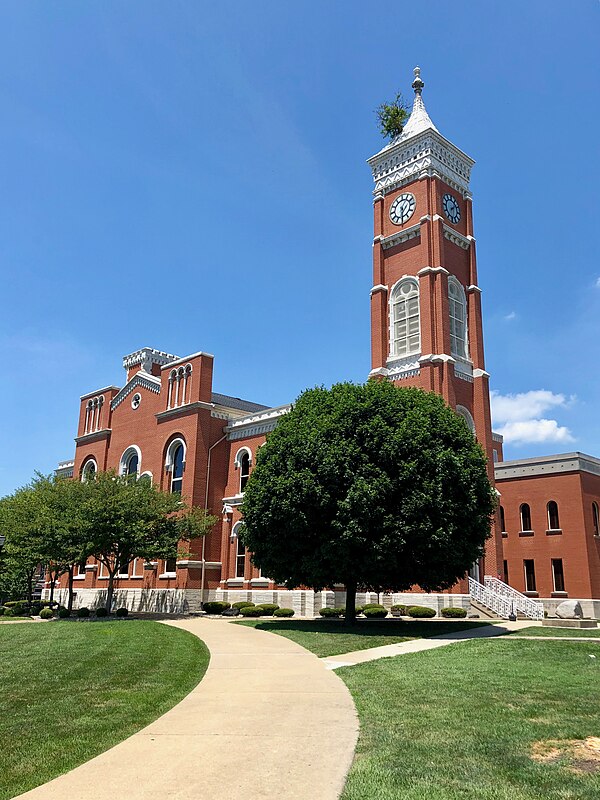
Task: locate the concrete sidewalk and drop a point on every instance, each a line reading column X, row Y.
column 267, row 721
column 418, row 645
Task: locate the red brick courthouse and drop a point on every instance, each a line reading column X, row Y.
column 168, row 423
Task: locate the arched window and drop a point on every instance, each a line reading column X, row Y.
column 405, row 327
column 131, row 461
column 596, row 518
column 466, row 415
column 525, row 513
column 240, row 552
column 553, row 521
column 89, row 470
column 458, row 319
column 177, row 473
column 502, row 520
column 244, row 470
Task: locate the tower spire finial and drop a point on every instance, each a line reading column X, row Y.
column 418, row 84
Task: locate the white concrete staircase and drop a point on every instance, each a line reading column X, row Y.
column 503, row 600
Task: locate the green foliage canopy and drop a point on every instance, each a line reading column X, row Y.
column 392, row 117
column 369, row 485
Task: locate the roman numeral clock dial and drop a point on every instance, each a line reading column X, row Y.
column 402, row 208
column 451, row 208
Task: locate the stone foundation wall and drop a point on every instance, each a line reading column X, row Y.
column 305, row 602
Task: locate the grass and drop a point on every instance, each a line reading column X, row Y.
column 69, row 691
column 326, row 637
column 579, row 633
column 459, row 723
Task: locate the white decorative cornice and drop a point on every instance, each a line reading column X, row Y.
column 547, row 465
column 183, row 360
column 497, row 437
column 187, row 408
column 146, row 357
column 432, row 271
column 255, row 424
column 401, row 368
column 379, row 372
column 94, row 436
column 437, row 358
column 425, row 218
column 463, row 369
column 472, row 288
column 425, row 154
column 480, row 373
column 456, row 238
column 400, row 236
column 379, row 288
column 99, row 391
column 141, row 378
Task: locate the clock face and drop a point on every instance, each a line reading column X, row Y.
column 402, row 208
column 451, row 208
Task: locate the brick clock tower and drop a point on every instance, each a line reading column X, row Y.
column 426, row 326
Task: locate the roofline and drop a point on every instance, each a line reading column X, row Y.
column 186, row 358
column 547, row 465
column 99, row 391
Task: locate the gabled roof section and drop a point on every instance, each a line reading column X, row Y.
column 141, row 378
column 236, row 402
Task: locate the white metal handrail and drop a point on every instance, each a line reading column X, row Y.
column 503, row 600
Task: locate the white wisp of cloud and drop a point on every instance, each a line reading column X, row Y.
column 520, row 417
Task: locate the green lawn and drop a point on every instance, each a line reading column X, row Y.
column 458, row 723
column 70, row 690
column 326, row 637
column 580, row 633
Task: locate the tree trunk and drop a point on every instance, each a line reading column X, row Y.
column 30, row 575
column 70, row 601
column 110, row 590
column 350, row 602
column 53, row 577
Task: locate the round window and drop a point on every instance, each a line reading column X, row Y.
column 136, row 400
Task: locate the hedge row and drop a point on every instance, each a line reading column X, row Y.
column 248, row 609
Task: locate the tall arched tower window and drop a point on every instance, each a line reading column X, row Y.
column 458, row 319
column 553, row 520
column 596, row 518
column 405, row 327
column 525, row 514
column 175, row 464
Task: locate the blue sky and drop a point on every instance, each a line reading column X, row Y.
column 191, row 175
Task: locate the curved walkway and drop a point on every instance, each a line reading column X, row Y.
column 268, row 720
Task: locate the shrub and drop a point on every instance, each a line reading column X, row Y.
column 400, row 609
column 375, row 613
column 9, row 613
column 268, row 609
column 242, row 604
column 328, row 612
column 283, row 612
column 83, row 612
column 2, row 611
column 63, row 612
column 12, row 603
column 359, row 610
column 122, row 612
column 251, row 611
column 372, row 605
column 46, row 613
column 452, row 612
column 215, row 606
column 420, row 612
column 101, row 612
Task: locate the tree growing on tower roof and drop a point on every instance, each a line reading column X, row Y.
column 371, row 486
column 392, row 117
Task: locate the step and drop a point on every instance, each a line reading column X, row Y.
column 484, row 610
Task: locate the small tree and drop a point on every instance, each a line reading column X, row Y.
column 23, row 520
column 127, row 518
column 392, row 116
column 371, row 486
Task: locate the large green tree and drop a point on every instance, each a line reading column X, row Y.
column 371, row 486
column 23, row 521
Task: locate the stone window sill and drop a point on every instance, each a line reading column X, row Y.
column 504, row 535
column 559, row 594
column 554, row 532
column 531, row 594
column 526, row 533
column 168, row 575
